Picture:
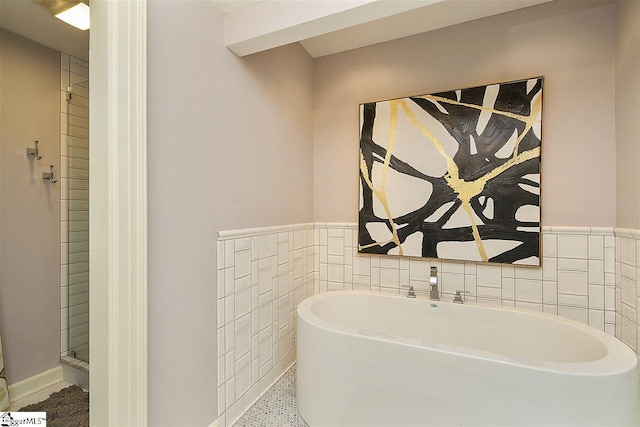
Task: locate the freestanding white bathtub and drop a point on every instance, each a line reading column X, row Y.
column 367, row 359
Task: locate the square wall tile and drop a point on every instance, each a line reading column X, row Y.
column 572, row 246
column 451, row 282
column 533, row 273
column 243, row 381
column 453, row 267
column 222, row 394
column 578, row 314
column 549, row 292
column 335, row 246
column 549, row 245
column 596, row 247
column 529, row 290
column 508, row 288
column 229, row 252
column 596, row 319
column 550, row 268
column 389, row 277
column 419, row 270
column 572, row 264
column 242, row 263
column 529, row 305
column 572, row 282
column 628, row 332
column 508, row 271
column 485, row 292
column 335, row 273
column 596, row 272
column 470, row 268
column 628, row 291
column 570, row 300
column 596, row 297
column 489, row 276
column 470, row 284
column 609, row 260
column 361, row 265
column 628, row 251
column 390, row 262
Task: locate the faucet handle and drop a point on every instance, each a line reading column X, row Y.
column 458, row 298
column 412, row 292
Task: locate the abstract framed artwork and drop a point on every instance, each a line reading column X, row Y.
column 453, row 175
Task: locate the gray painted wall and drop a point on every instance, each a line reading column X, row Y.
column 229, row 146
column 572, row 48
column 628, row 113
column 29, row 207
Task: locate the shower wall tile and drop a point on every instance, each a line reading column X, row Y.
column 80, row 69
column 263, row 274
column 74, row 204
column 76, row 79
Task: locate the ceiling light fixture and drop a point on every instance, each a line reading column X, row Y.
column 73, row 12
column 78, row 16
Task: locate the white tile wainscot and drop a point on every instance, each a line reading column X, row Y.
column 577, row 279
column 262, row 276
column 627, row 291
column 588, row 274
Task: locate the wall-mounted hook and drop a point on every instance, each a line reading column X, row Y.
column 48, row 176
column 33, row 152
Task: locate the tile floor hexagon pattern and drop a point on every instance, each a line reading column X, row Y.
column 277, row 407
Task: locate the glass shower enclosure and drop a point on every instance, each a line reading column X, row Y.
column 75, row 198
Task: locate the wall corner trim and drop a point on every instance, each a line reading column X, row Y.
column 627, row 232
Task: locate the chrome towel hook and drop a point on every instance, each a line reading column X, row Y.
column 33, row 152
column 48, row 176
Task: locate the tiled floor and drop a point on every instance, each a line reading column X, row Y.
column 277, row 407
column 37, row 396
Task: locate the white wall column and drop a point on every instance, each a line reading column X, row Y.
column 118, row 213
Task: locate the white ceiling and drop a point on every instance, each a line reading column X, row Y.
column 323, row 27
column 34, row 22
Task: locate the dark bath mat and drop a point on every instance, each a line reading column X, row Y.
column 68, row 407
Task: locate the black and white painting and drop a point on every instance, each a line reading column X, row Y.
column 453, row 175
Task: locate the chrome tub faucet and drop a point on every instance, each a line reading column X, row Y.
column 412, row 292
column 434, row 293
column 459, row 296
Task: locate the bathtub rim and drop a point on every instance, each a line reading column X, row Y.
column 619, row 359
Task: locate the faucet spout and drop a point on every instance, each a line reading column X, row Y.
column 434, row 293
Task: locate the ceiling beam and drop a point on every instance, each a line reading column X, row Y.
column 274, row 23
column 433, row 17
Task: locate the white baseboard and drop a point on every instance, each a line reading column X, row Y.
column 35, row 383
column 214, row 424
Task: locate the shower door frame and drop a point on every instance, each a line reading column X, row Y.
column 118, row 213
